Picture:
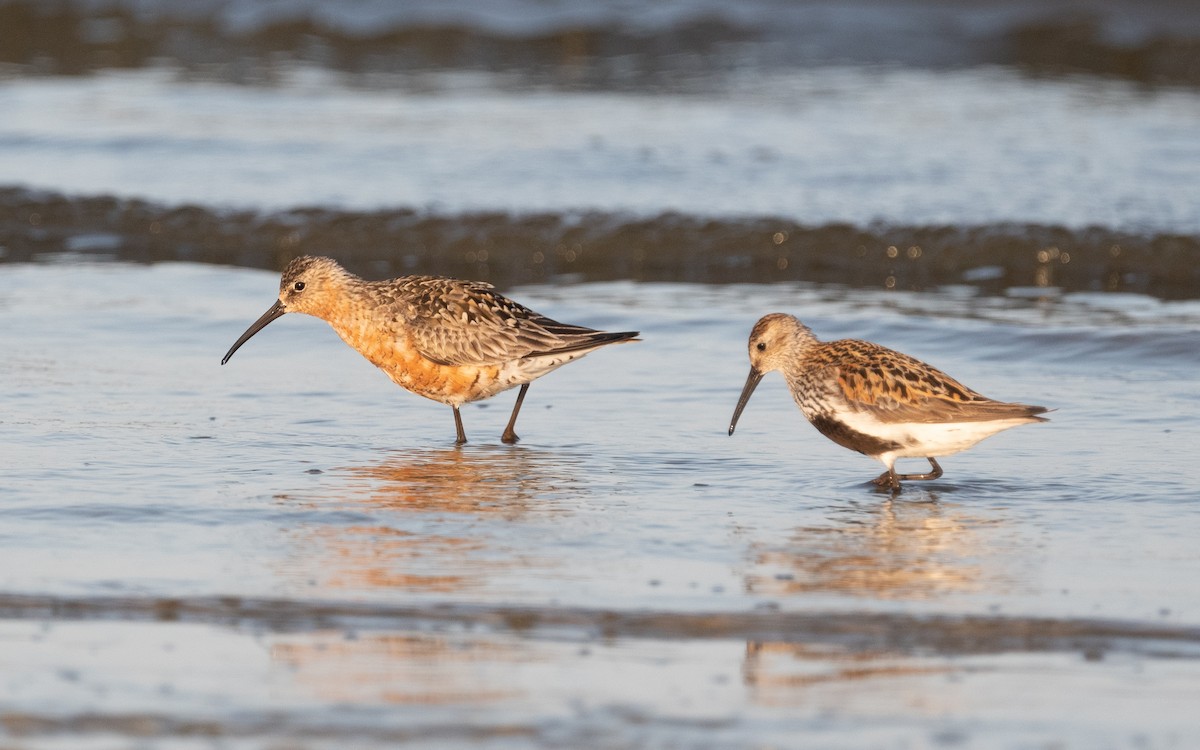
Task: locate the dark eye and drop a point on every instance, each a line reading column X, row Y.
column 298, row 286
column 762, row 346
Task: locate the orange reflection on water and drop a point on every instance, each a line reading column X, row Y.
column 399, row 669
column 379, row 556
column 415, row 547
column 488, row 479
column 896, row 550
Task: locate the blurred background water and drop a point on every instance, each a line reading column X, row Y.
column 289, row 552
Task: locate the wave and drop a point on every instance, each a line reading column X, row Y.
column 585, row 44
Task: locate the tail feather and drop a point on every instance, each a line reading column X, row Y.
column 999, row 410
column 590, row 340
column 1033, row 411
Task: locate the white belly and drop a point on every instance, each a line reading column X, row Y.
column 923, row 439
column 522, row 371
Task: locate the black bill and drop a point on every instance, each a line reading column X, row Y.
column 276, row 311
column 751, row 383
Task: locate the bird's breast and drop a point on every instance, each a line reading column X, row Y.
column 815, row 392
column 392, row 351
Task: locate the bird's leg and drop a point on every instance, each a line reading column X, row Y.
column 462, row 435
column 934, row 473
column 888, row 479
column 510, row 436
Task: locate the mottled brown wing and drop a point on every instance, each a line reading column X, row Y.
column 456, row 322
column 895, row 387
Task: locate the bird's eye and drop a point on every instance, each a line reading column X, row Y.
column 762, row 346
column 298, row 286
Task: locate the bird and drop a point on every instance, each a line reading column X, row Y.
column 874, row 400
column 449, row 340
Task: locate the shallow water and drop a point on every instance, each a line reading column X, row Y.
column 289, row 552
column 835, row 144
column 289, row 548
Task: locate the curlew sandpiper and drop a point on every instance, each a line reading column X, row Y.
column 449, row 340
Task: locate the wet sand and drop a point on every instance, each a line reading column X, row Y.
column 289, row 549
column 513, row 249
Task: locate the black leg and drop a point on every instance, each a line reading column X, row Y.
column 888, row 479
column 510, row 436
column 934, row 473
column 462, row 435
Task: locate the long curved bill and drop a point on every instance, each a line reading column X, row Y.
column 276, row 311
column 752, row 381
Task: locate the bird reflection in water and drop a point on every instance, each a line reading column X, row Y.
column 424, row 539
column 424, row 506
column 825, row 677
column 401, row 668
column 489, row 480
column 895, row 550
